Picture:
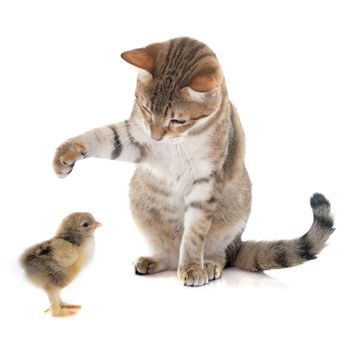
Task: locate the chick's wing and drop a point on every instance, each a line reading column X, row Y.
column 64, row 253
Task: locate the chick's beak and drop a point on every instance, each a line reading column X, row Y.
column 97, row 224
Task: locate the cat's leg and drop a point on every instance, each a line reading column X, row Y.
column 154, row 264
column 160, row 217
column 221, row 234
column 116, row 141
column 165, row 246
column 200, row 204
column 214, row 264
column 214, row 255
column 164, row 241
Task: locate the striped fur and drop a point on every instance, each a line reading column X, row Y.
column 259, row 256
column 190, row 193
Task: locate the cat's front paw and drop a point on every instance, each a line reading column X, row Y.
column 66, row 155
column 193, row 275
column 214, row 269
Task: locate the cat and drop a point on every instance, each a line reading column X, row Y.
column 190, row 193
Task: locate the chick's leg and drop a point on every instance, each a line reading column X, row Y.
column 64, row 305
column 56, row 308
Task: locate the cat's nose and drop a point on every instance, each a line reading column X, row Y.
column 157, row 133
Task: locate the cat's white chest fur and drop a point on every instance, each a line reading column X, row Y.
column 177, row 164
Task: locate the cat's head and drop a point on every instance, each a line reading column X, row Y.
column 179, row 87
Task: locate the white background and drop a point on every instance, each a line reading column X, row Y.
column 287, row 68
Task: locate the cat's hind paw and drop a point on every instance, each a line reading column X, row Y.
column 145, row 266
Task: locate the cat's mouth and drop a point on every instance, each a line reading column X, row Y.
column 167, row 140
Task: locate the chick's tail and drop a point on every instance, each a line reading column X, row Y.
column 266, row 255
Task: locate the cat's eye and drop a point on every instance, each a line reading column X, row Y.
column 177, row 121
column 86, row 224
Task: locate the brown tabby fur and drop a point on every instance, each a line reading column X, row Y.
column 190, row 194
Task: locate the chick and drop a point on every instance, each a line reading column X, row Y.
column 53, row 264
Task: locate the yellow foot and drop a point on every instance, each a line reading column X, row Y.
column 67, row 306
column 63, row 312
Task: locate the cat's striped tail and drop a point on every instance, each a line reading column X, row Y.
column 266, row 255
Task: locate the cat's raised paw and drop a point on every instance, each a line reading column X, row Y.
column 214, row 270
column 193, row 275
column 145, row 266
column 65, row 157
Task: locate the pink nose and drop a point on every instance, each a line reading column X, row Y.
column 157, row 133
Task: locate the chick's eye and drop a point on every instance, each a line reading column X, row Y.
column 86, row 224
column 177, row 121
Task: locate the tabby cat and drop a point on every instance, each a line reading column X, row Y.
column 190, row 193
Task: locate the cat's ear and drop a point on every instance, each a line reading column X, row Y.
column 139, row 58
column 199, row 96
column 204, row 82
column 143, row 58
column 204, row 85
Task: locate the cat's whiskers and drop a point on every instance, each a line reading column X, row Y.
column 192, row 167
column 180, row 155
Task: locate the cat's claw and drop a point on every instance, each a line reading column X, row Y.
column 66, row 156
column 193, row 275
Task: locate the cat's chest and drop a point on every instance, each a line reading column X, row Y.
column 177, row 165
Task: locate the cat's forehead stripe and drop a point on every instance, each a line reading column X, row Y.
column 179, row 64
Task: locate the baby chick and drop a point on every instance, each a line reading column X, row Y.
column 53, row 264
